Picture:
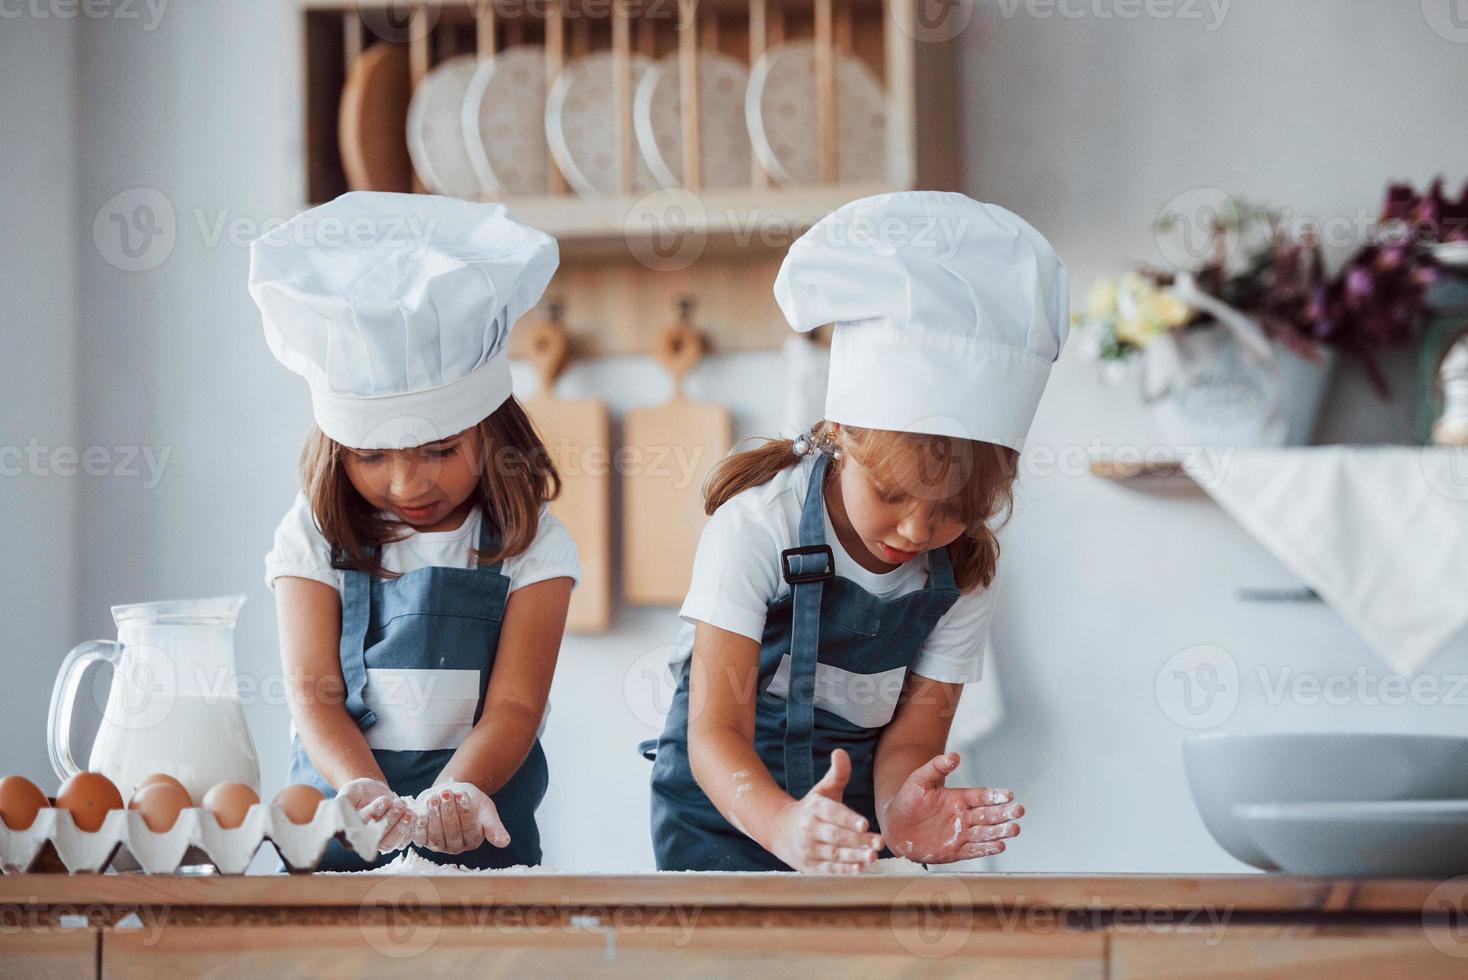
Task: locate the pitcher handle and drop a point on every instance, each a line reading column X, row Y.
column 63, row 700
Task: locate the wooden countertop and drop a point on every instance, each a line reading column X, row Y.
column 1021, row 926
column 1245, row 893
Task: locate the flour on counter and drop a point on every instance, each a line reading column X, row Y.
column 412, row 863
column 895, row 866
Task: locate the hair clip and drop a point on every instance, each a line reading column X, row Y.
column 802, row 444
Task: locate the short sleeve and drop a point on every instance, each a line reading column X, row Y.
column 300, row 549
column 735, row 573
column 551, row 555
column 954, row 651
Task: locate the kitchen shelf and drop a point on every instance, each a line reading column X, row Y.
column 612, row 226
column 1145, row 474
column 920, row 91
column 616, row 286
column 1140, row 472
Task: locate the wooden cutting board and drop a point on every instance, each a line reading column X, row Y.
column 667, row 453
column 578, row 433
column 373, row 120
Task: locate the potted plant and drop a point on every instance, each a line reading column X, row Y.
column 1249, row 361
column 1228, row 352
column 1439, row 225
column 1377, row 300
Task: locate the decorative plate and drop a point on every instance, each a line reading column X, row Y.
column 504, row 122
column 723, row 135
column 436, row 129
column 780, row 109
column 581, row 125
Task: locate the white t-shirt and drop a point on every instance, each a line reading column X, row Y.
column 421, row 710
column 301, row 550
column 736, row 575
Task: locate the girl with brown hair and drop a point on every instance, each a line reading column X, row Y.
column 842, row 591
column 421, row 584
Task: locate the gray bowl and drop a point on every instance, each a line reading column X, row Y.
column 1225, row 770
column 1362, row 839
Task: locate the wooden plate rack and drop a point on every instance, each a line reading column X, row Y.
column 609, row 278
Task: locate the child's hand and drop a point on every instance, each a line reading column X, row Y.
column 375, row 801
column 400, row 818
column 455, row 817
column 936, row 824
column 364, row 794
column 820, row 834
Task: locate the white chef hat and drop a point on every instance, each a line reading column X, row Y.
column 396, row 309
column 948, row 313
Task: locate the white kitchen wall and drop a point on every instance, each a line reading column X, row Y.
column 39, row 406
column 1088, row 126
column 1085, row 125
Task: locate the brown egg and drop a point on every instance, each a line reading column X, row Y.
column 160, row 777
column 229, row 802
column 88, row 796
column 160, row 803
column 20, row 801
column 299, row 802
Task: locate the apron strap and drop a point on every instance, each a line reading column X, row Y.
column 805, row 568
column 356, row 613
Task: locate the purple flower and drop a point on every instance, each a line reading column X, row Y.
column 1376, row 299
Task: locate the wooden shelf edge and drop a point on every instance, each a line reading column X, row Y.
column 723, row 211
column 470, row 6
column 1140, row 471
column 744, row 218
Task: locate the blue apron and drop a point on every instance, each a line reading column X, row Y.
column 826, row 620
column 435, row 620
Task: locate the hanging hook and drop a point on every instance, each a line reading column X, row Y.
column 549, row 346
column 680, row 347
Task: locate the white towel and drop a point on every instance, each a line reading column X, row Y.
column 1380, row 533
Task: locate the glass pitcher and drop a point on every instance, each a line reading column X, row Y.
column 174, row 705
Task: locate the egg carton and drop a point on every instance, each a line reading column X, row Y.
column 195, row 839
